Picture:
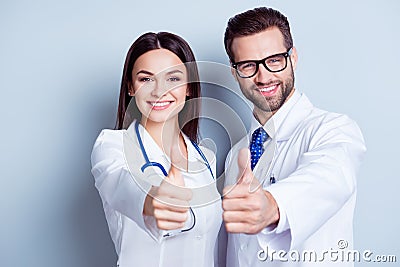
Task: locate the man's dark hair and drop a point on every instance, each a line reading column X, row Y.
column 254, row 21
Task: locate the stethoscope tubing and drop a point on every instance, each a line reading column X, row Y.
column 161, row 167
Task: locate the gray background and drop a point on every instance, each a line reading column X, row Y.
column 60, row 69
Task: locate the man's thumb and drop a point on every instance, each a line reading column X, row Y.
column 245, row 173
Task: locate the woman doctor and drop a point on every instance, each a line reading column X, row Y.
column 157, row 225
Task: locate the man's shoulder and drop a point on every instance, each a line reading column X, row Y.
column 316, row 115
column 305, row 119
column 321, row 125
column 323, row 117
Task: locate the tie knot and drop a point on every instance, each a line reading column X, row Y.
column 259, row 136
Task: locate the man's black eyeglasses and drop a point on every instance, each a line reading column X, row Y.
column 274, row 63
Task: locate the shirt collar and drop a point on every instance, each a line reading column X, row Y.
column 273, row 125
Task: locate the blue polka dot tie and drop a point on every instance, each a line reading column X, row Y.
column 256, row 146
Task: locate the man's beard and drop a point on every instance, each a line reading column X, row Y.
column 273, row 103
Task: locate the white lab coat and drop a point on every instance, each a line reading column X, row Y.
column 317, row 154
column 137, row 240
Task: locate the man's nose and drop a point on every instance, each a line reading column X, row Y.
column 263, row 75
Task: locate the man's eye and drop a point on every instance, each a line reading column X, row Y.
column 274, row 60
column 248, row 65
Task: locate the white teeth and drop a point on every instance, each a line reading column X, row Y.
column 160, row 104
column 268, row 89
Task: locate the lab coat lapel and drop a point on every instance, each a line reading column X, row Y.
column 293, row 117
column 133, row 162
column 135, row 159
column 287, row 125
column 264, row 164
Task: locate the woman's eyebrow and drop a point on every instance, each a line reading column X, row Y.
column 144, row 72
column 174, row 71
column 150, row 73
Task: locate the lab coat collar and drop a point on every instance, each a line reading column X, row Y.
column 193, row 154
column 291, row 114
column 155, row 153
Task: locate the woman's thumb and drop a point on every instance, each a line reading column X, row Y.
column 175, row 175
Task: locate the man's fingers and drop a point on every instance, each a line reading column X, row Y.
column 237, row 204
column 235, row 216
column 239, row 227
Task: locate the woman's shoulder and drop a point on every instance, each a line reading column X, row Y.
column 108, row 144
column 109, row 136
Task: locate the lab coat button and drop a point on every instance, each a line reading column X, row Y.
column 198, row 237
column 243, row 247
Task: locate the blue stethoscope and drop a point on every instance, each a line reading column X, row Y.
column 161, row 167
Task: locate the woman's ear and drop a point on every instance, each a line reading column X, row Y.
column 131, row 91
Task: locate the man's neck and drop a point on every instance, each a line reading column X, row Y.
column 263, row 116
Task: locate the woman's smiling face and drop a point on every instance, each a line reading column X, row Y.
column 159, row 81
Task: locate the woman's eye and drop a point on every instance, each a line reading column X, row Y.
column 145, row 79
column 174, row 79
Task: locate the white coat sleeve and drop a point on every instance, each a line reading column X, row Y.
column 113, row 180
column 324, row 179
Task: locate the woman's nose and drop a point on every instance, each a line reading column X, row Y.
column 159, row 89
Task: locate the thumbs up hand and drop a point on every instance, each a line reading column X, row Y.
column 247, row 207
column 245, row 173
column 169, row 203
column 175, row 176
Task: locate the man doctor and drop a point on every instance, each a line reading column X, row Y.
column 289, row 196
